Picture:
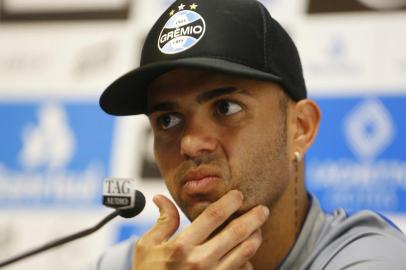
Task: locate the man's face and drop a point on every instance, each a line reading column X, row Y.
column 214, row 133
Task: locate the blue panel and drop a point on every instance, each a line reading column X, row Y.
column 53, row 154
column 128, row 230
column 359, row 157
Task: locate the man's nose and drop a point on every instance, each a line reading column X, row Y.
column 199, row 138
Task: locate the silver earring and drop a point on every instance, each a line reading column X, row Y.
column 298, row 156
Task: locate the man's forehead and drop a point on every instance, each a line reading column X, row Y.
column 187, row 82
column 198, row 80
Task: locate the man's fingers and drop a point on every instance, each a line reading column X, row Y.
column 246, row 266
column 236, row 232
column 239, row 257
column 212, row 217
column 167, row 223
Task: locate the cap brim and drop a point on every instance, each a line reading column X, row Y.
column 128, row 94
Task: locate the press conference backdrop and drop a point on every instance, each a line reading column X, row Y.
column 57, row 145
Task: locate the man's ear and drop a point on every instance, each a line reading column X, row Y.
column 306, row 122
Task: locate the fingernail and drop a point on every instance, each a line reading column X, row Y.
column 265, row 210
column 156, row 199
column 239, row 193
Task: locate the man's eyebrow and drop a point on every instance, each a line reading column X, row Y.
column 164, row 106
column 201, row 98
column 218, row 92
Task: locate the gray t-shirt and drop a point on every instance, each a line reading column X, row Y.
column 362, row 241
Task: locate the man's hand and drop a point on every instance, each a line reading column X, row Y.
column 193, row 248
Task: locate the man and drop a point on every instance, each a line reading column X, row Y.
column 222, row 84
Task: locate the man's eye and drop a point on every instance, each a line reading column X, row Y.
column 168, row 121
column 226, row 107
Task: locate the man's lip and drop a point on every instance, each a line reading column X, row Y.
column 197, row 175
column 200, row 181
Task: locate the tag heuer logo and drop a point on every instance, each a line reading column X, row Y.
column 182, row 31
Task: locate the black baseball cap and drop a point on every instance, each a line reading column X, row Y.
column 234, row 37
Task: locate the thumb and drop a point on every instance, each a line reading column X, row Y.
column 167, row 223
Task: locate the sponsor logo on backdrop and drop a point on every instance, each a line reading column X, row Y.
column 53, row 154
column 365, row 164
column 328, row 6
column 369, row 129
column 48, row 143
column 336, row 60
column 95, row 59
column 22, row 61
column 183, row 30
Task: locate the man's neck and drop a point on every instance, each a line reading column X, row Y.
column 280, row 232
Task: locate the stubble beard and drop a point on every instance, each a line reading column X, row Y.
column 263, row 176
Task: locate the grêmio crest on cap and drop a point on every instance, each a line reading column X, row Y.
column 182, row 31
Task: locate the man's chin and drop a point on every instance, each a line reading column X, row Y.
column 194, row 205
column 194, row 210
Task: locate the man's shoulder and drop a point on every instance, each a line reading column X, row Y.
column 363, row 240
